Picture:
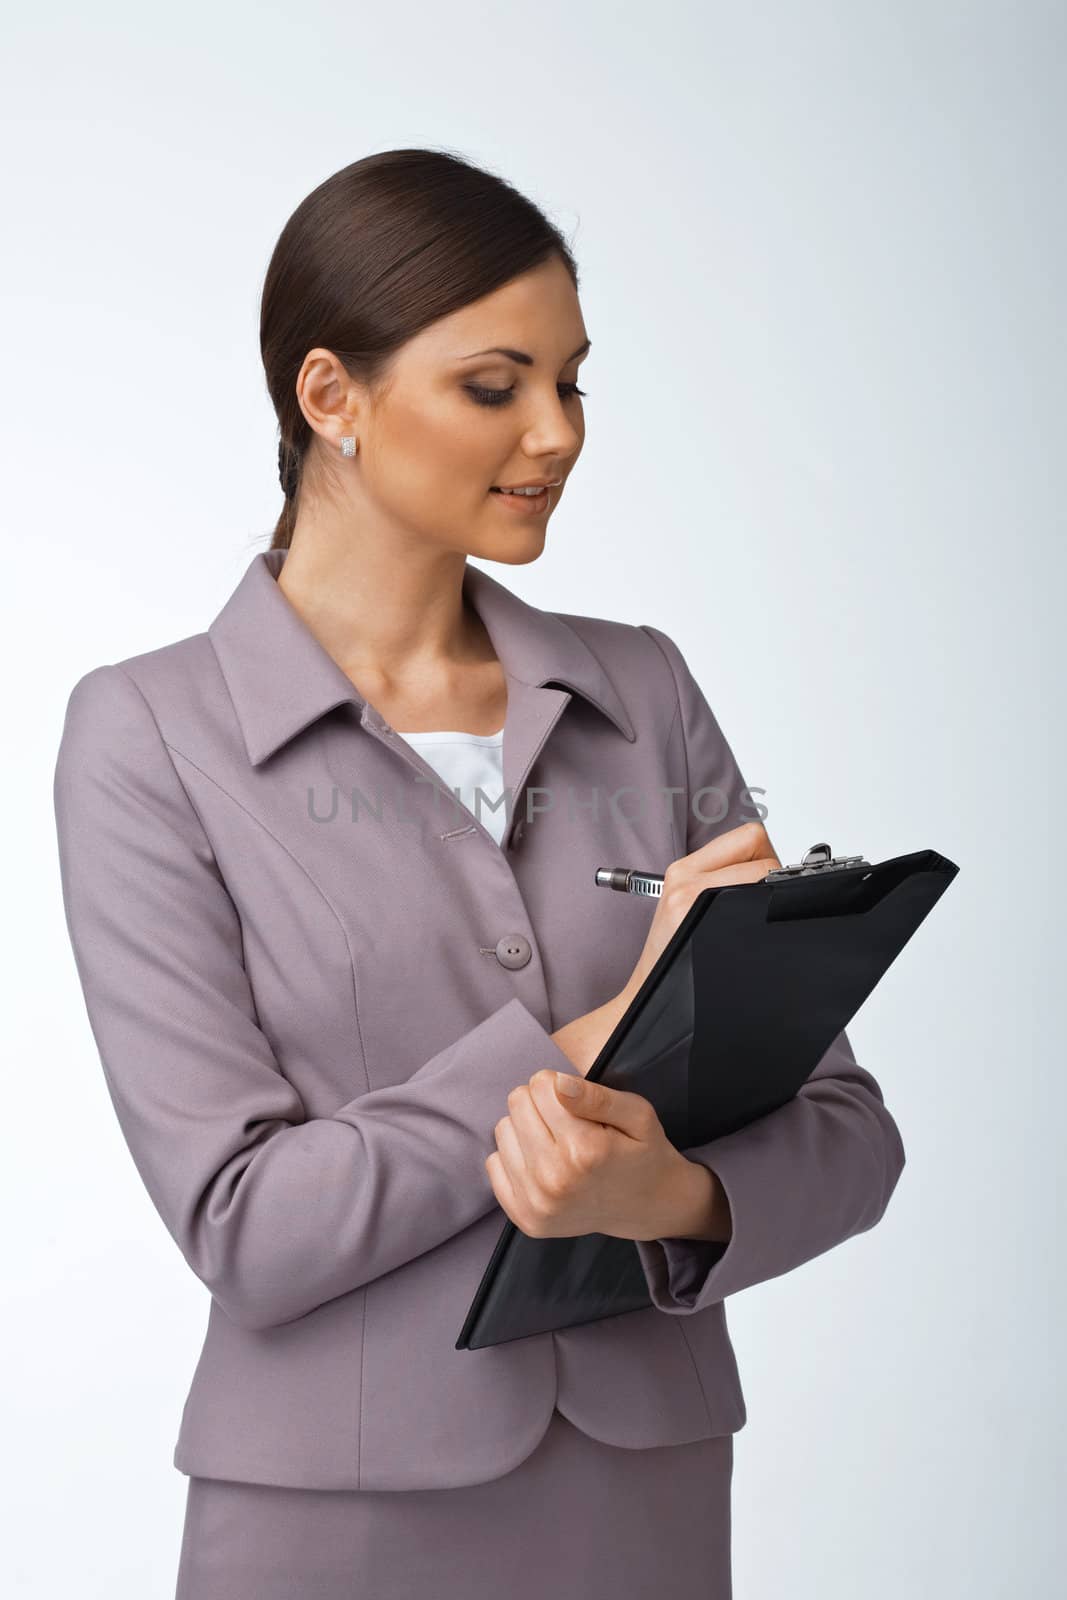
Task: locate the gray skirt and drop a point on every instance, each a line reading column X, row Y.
column 576, row 1518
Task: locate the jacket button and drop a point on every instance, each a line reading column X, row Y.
column 513, row 950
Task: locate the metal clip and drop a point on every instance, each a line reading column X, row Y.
column 817, row 859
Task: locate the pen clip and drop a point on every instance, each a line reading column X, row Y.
column 630, row 881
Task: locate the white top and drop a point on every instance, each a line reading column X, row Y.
column 467, row 762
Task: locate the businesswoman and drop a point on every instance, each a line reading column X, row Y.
column 339, row 1001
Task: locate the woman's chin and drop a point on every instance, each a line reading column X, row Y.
column 521, row 545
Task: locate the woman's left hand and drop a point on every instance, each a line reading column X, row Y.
column 599, row 1162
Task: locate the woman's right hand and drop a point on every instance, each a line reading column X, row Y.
column 743, row 855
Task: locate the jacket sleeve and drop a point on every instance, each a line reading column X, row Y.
column 805, row 1177
column 275, row 1212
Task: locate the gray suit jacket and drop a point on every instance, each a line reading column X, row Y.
column 313, row 978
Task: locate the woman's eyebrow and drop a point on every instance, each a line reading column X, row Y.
column 521, row 356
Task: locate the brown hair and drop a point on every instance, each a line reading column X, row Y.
column 372, row 256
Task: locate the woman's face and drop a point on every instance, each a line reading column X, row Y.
column 456, row 418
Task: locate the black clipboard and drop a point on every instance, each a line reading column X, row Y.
column 701, row 1043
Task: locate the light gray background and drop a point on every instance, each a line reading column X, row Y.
column 822, row 249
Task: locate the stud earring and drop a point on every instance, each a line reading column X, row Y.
column 348, row 445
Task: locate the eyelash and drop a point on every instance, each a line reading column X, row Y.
column 499, row 397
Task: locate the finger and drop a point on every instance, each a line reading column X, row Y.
column 749, row 842
column 512, row 1155
column 630, row 1113
column 533, row 1129
column 687, row 874
column 543, row 1091
column 503, row 1187
column 740, row 872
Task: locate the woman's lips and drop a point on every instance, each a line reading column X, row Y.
column 520, row 503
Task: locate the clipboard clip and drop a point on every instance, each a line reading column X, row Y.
column 819, row 859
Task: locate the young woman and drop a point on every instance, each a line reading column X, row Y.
column 339, row 990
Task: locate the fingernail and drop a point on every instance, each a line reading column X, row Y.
column 567, row 1084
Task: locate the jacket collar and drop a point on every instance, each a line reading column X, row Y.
column 281, row 679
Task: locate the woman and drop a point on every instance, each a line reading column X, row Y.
column 337, row 1005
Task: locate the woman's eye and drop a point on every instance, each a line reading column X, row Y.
column 499, row 397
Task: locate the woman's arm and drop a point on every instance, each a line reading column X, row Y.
column 275, row 1212
column 807, row 1176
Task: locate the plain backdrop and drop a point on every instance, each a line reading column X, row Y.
column 822, row 258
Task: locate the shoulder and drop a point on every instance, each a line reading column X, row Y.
column 115, row 786
column 633, row 654
column 169, row 690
